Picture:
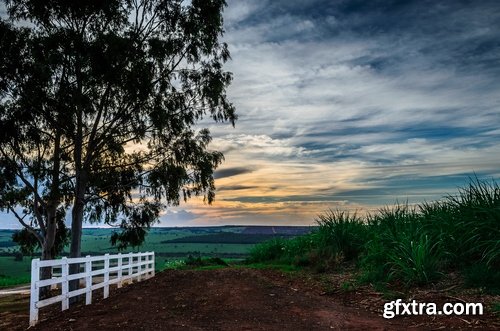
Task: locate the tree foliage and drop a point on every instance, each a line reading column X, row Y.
column 99, row 109
column 29, row 244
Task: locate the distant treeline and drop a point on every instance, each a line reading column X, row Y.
column 280, row 230
column 204, row 254
column 7, row 244
column 226, row 238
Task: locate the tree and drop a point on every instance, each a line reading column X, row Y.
column 29, row 155
column 99, row 106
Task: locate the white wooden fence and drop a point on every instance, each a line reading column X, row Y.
column 95, row 271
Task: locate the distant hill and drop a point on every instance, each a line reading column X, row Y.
column 178, row 241
column 280, row 230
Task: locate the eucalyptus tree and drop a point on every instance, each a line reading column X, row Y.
column 100, row 111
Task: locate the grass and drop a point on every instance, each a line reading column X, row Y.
column 339, row 238
column 6, row 281
column 11, row 268
column 414, row 261
column 95, row 241
column 484, row 277
column 197, row 262
column 407, row 245
column 496, row 308
column 287, row 268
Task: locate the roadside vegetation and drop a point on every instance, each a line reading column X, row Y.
column 404, row 245
column 172, row 246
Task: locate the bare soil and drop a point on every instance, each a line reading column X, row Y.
column 240, row 299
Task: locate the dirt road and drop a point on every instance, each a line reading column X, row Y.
column 224, row 299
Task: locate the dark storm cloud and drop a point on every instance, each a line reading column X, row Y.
column 229, row 172
column 236, row 187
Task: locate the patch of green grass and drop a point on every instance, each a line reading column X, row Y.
column 173, row 264
column 210, row 267
column 348, row 286
column 288, row 268
column 496, row 308
column 482, row 276
column 11, row 268
column 387, row 293
column 11, row 281
column 197, row 262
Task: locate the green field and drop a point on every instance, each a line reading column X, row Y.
column 11, row 268
column 168, row 244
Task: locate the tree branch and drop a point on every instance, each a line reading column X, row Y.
column 28, row 227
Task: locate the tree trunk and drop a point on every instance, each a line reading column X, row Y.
column 76, row 230
column 47, row 252
column 80, row 188
column 51, row 226
column 76, row 227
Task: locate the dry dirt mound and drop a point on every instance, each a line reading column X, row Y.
column 225, row 299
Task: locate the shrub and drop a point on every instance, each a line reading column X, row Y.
column 340, row 235
column 271, row 250
column 415, row 262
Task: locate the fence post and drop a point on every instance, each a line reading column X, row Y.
column 88, row 280
column 148, row 266
column 106, row 275
column 64, row 285
column 119, row 270
column 35, row 277
column 139, row 266
column 153, row 264
column 130, row 258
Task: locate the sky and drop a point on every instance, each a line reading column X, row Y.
column 352, row 105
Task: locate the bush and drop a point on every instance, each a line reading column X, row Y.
column 341, row 235
column 390, row 231
column 415, row 262
column 272, row 250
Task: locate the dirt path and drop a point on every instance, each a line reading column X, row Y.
column 224, row 299
column 22, row 289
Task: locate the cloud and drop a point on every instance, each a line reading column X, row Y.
column 353, row 104
column 177, row 217
column 230, row 172
column 236, row 188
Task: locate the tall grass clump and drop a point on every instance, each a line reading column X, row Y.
column 476, row 210
column 415, row 261
column 413, row 245
column 271, row 250
column 400, row 248
column 281, row 250
column 473, row 222
column 340, row 237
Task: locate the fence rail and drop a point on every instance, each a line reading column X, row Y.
column 95, row 271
